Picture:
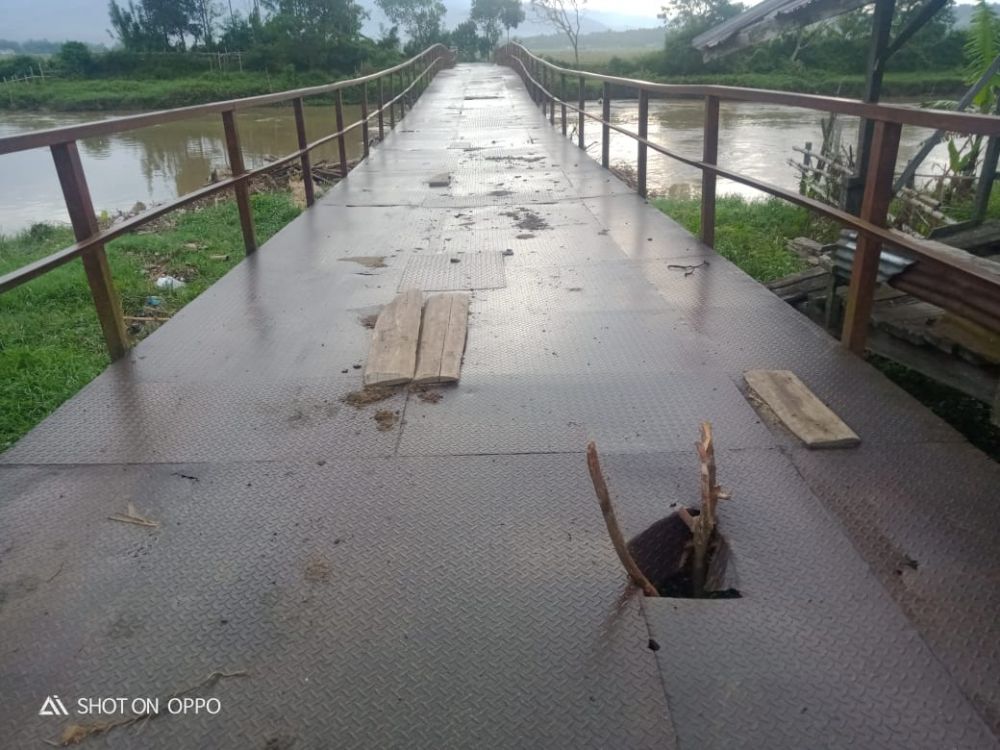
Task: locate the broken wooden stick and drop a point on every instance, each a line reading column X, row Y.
column 702, row 526
column 611, row 521
column 133, row 517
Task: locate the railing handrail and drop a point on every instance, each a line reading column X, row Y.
column 963, row 122
column 968, row 276
column 413, row 74
column 54, row 136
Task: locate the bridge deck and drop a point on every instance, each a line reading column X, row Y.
column 449, row 582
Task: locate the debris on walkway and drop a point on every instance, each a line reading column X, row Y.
column 132, row 516
column 706, row 542
column 442, row 338
column 808, row 418
column 368, row 261
column 392, row 358
column 386, row 419
column 611, row 521
column 687, row 269
column 370, row 394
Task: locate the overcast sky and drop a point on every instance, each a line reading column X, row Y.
column 87, row 20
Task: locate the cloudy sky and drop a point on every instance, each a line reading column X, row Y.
column 86, row 20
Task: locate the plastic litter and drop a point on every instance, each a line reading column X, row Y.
column 169, row 282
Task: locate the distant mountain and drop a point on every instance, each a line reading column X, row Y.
column 632, row 39
column 87, row 20
column 458, row 11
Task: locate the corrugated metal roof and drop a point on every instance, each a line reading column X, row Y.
column 889, row 263
column 767, row 20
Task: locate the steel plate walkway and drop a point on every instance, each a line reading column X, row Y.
column 449, row 582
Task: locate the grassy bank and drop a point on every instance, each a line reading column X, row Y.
column 752, row 234
column 50, row 341
column 84, row 95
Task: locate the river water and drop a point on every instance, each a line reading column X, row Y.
column 158, row 163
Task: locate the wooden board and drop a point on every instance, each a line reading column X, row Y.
column 800, row 411
column 392, row 358
column 442, row 338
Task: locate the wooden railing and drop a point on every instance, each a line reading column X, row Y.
column 951, row 279
column 397, row 88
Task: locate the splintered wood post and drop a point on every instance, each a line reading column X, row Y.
column 617, row 540
column 702, row 526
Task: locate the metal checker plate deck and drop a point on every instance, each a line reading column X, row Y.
column 448, row 583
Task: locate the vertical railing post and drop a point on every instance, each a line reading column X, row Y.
column 874, row 209
column 605, row 126
column 342, row 138
column 580, row 117
column 241, row 188
column 544, row 73
column 552, row 96
column 95, row 261
column 392, row 104
column 300, row 132
column 643, row 134
column 562, row 95
column 381, row 109
column 364, row 117
column 709, row 155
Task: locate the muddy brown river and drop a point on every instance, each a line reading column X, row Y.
column 158, row 163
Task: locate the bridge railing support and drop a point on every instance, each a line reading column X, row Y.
column 954, row 281
column 415, row 75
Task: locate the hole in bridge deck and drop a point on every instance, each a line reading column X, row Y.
column 663, row 553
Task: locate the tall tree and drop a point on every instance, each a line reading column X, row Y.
column 512, row 15
column 564, row 16
column 153, row 24
column 420, row 19
column 492, row 15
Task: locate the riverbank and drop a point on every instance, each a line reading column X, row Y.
column 752, row 234
column 50, row 341
column 97, row 94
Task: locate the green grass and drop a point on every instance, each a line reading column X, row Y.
column 87, row 95
column 752, row 234
column 50, row 341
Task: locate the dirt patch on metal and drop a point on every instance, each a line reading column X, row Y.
column 370, row 394
column 386, row 419
column 527, row 220
column 368, row 261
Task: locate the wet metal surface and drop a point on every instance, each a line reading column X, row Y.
column 449, row 582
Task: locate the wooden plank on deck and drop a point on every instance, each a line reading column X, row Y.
column 442, row 338
column 392, row 358
column 812, row 421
